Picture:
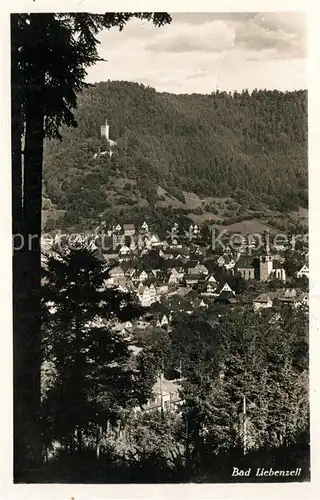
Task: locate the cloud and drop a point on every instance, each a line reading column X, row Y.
column 198, row 74
column 197, row 51
column 205, row 17
column 214, row 36
column 283, row 32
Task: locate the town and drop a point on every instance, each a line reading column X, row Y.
column 183, row 275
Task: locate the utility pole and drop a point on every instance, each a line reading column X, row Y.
column 244, row 411
column 217, row 84
column 161, row 395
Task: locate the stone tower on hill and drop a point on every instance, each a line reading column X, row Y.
column 105, row 130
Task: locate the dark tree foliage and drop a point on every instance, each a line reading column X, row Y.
column 257, row 361
column 93, row 381
column 260, row 357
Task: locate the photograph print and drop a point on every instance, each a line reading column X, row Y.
column 160, row 247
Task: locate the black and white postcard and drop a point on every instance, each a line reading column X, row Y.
column 156, row 188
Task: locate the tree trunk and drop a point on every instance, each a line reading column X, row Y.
column 27, row 335
column 98, row 441
column 20, row 446
column 79, row 438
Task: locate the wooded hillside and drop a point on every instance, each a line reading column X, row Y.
column 251, row 147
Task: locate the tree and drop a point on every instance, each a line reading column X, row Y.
column 195, row 343
column 93, row 382
column 50, row 53
column 262, row 363
column 154, row 446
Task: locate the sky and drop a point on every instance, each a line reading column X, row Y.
column 200, row 52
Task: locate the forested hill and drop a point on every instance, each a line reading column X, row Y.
column 251, row 147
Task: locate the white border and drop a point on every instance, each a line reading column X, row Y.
column 248, row 491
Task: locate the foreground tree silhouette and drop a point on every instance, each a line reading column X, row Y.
column 50, row 53
column 93, row 382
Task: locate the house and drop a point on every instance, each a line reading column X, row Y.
column 181, row 253
column 118, row 239
column 165, row 396
column 144, row 251
column 175, row 244
column 263, row 301
column 221, row 261
column 226, row 298
column 165, row 245
column 163, row 289
column 153, row 292
column 175, row 277
column 144, row 227
column 164, row 321
column 143, row 295
column 303, row 299
column 110, row 255
column 129, row 273
column 278, row 271
column 126, row 334
column 129, row 229
column 196, row 257
column 124, row 250
column 166, row 255
column 128, row 287
column 154, row 273
column 229, row 262
column 140, row 242
column 200, row 303
column 197, row 252
column 145, row 275
column 247, row 267
column 192, row 270
column 196, row 229
column 142, row 276
column 154, row 240
column 192, row 279
column 193, row 263
column 303, row 272
column 211, row 279
column 116, row 274
column 202, row 269
column 147, row 295
column 125, row 254
column 203, row 304
column 209, row 290
column 225, row 295
column 292, row 296
column 226, row 288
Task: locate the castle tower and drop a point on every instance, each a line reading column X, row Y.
column 105, row 130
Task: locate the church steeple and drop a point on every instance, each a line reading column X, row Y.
column 267, row 241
